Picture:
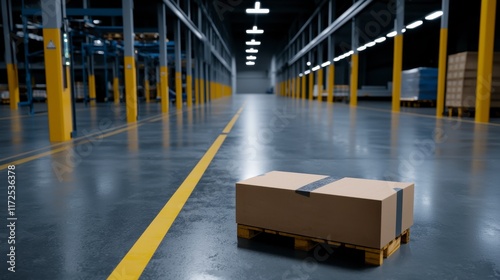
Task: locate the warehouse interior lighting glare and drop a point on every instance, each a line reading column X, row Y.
column 255, row 30
column 252, row 50
column 250, row 63
column 308, row 63
column 336, row 59
column 326, row 63
column 307, row 72
column 434, row 15
column 371, row 44
column 253, row 43
column 362, row 48
column 316, row 68
column 392, row 34
column 380, row 40
column 301, row 75
column 414, row 24
column 96, row 21
column 251, row 57
column 257, row 9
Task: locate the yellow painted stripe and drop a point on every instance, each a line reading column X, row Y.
column 138, row 257
column 232, row 122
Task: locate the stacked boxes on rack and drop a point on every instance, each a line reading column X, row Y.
column 462, row 80
column 419, row 84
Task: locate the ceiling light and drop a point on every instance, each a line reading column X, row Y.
column 371, row 44
column 300, row 75
column 250, row 63
column 415, row 24
column 307, row 72
column 316, row 68
column 96, row 21
column 336, row 59
column 257, row 9
column 100, row 52
column 434, row 15
column 253, row 43
column 326, row 63
column 308, row 63
column 251, row 57
column 252, row 50
column 350, row 53
column 392, row 34
column 362, row 48
column 254, row 30
column 403, row 30
column 380, row 40
column 98, row 42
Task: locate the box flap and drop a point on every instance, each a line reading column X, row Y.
column 282, row 180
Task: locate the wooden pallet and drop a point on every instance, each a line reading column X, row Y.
column 418, row 103
column 373, row 256
column 470, row 112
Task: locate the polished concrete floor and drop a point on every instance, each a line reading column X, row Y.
column 81, row 209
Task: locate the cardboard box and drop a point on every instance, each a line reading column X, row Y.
column 361, row 212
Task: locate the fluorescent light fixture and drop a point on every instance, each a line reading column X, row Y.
column 100, row 52
column 98, row 42
column 67, row 63
column 369, row 45
column 362, row 48
column 308, row 63
column 96, row 21
column 414, row 24
column 403, row 30
column 251, row 57
column 257, row 9
column 307, row 72
column 336, row 59
column 250, row 63
column 300, row 75
column 434, row 15
column 392, row 34
column 316, row 68
column 255, row 30
column 380, row 40
column 326, row 63
column 253, row 43
column 252, row 50
column 350, row 53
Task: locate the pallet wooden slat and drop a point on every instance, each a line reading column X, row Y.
column 373, row 256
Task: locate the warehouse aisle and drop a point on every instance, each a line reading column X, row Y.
column 78, row 217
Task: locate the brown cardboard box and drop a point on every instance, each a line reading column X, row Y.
column 362, row 212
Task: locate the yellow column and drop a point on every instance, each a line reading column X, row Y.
column 311, row 86
column 92, row 91
column 197, row 91
column 13, row 85
column 354, row 79
column 443, row 46
column 116, row 90
column 208, row 89
column 397, row 73
column 178, row 90
column 297, row 90
column 320, row 84
column 202, row 91
column 59, row 101
column 130, row 89
column 146, row 90
column 485, row 60
column 163, row 89
column 303, row 91
column 189, row 91
column 331, row 83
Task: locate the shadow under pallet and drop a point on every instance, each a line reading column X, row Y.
column 373, row 256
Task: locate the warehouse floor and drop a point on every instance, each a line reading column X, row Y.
column 81, row 207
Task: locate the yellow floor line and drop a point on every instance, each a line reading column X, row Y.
column 138, row 257
column 230, row 125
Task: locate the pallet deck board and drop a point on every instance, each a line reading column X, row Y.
column 373, row 256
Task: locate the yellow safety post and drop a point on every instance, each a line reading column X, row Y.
column 303, row 84
column 354, row 79
column 164, row 89
column 485, row 60
column 331, row 83
column 297, row 89
column 197, row 91
column 397, row 73
column 443, row 46
column 320, row 84
column 202, row 91
column 311, row 86
column 13, row 85
column 146, row 90
column 116, row 90
column 59, row 102
column 92, row 90
column 189, row 91
column 130, row 89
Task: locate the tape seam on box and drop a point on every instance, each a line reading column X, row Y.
column 399, row 211
column 307, row 189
